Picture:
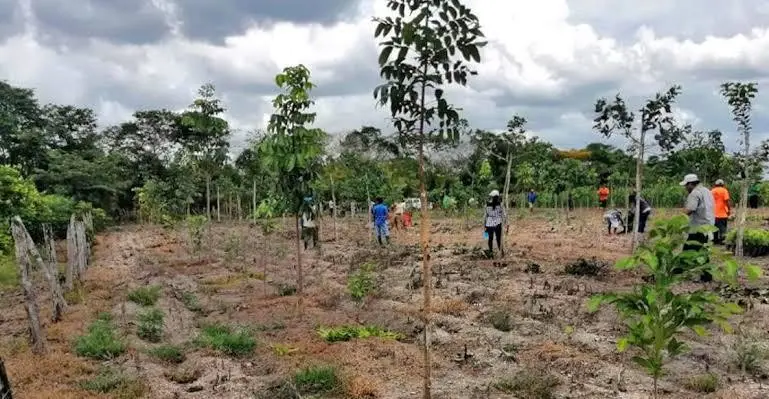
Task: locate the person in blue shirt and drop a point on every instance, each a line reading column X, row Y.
column 380, row 211
column 531, row 198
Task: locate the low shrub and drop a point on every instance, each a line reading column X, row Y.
column 101, row 342
column 317, row 380
column 755, row 242
column 150, row 326
column 500, row 320
column 117, row 383
column 228, row 340
column 346, row 333
column 168, row 354
column 361, row 283
column 704, row 383
column 145, row 296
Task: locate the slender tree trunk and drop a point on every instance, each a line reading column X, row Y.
column 507, row 181
column 240, row 209
column 253, row 202
column 208, row 197
column 743, row 209
column 333, row 211
column 51, row 270
column 20, row 235
column 73, row 271
column 424, row 241
column 299, row 276
column 639, row 164
column 218, row 205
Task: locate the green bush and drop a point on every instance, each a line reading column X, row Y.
column 150, row 325
column 168, row 354
column 145, row 296
column 101, row 342
column 346, row 333
column 228, row 340
column 317, row 380
column 755, row 241
column 117, row 383
column 361, row 283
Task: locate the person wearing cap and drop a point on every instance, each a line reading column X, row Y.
column 493, row 220
column 700, row 208
column 722, row 209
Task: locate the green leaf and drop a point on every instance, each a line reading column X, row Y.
column 594, row 303
column 622, row 344
column 626, row 263
column 700, row 330
column 753, row 272
column 384, row 56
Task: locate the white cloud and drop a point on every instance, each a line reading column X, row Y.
column 537, row 53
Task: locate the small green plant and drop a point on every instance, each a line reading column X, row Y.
column 168, row 354
column 501, row 320
column 9, row 273
column 101, row 342
column 150, row 326
column 346, row 333
column 228, row 340
column 283, row 349
column 196, row 227
column 703, row 383
column 361, row 283
column 750, row 352
column 317, row 380
column 232, row 248
column 117, row 383
column 286, row 289
column 529, row 384
column 657, row 312
column 145, row 296
column 191, row 302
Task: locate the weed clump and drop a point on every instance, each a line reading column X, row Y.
column 168, row 354
column 228, row 340
column 101, row 342
column 191, row 302
column 529, row 384
column 501, row 320
column 587, row 268
column 317, row 380
column 749, row 354
column 184, row 375
column 704, row 383
column 117, row 383
column 346, row 333
column 145, row 296
column 286, row 290
column 361, row 283
column 150, row 325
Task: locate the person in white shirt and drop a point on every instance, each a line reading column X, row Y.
column 309, row 228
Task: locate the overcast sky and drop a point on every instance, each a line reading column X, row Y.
column 547, row 60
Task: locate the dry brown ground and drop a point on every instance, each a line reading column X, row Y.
column 551, row 329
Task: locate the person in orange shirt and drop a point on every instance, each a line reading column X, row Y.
column 722, row 209
column 603, row 196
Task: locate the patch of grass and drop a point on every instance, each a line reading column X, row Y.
column 145, row 296
column 191, row 302
column 76, row 295
column 750, row 353
column 703, row 383
column 150, row 325
column 346, row 333
column 317, row 380
column 500, row 320
column 529, row 384
column 117, row 383
column 184, row 375
column 168, row 353
column 283, row 349
column 286, row 290
column 9, row 273
column 228, row 340
column 101, row 342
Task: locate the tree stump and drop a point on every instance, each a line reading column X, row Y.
column 20, row 236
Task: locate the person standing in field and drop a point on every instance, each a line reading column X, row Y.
column 399, row 209
column 309, row 228
column 493, row 220
column 722, row 209
column 603, row 196
column 753, row 196
column 646, row 211
column 701, row 210
column 531, row 198
column 380, row 212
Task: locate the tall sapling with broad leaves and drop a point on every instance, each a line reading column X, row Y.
column 292, row 150
column 425, row 45
column 740, row 97
column 657, row 313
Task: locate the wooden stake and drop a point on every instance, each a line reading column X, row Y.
column 20, row 235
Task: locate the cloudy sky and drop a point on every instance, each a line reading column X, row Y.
column 547, row 60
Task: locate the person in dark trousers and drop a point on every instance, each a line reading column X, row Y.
column 493, row 220
column 531, row 199
column 570, row 202
column 723, row 210
column 753, row 196
column 381, row 214
column 700, row 208
column 309, row 228
column 646, row 211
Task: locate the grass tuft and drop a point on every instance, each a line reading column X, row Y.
column 117, row 383
column 346, row 333
column 145, row 296
column 101, row 342
column 168, row 354
column 228, row 340
column 704, row 383
column 150, row 326
column 317, row 380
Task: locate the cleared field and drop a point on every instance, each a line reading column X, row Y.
column 232, row 328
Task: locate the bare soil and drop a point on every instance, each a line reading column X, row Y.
column 238, row 274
